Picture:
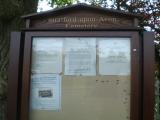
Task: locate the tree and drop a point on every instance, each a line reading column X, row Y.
column 10, row 20
column 10, row 12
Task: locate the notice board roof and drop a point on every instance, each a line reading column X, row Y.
column 81, row 16
column 80, row 6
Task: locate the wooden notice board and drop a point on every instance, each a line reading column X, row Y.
column 81, row 62
column 102, row 93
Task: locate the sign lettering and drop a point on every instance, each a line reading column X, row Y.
column 82, row 22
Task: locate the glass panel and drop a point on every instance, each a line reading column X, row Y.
column 80, row 56
column 114, row 56
column 78, row 78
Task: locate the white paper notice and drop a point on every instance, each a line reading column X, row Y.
column 114, row 56
column 47, row 55
column 45, row 92
column 80, row 56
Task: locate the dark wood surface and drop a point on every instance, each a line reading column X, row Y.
column 13, row 76
column 131, row 29
column 82, row 16
column 135, row 66
column 26, row 79
column 83, row 20
column 135, row 78
column 148, row 76
column 80, row 6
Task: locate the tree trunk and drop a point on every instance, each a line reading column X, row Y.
column 10, row 12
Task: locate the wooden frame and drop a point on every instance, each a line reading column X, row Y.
column 14, row 75
column 148, row 76
column 136, row 95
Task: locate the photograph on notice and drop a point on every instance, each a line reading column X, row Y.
column 45, row 93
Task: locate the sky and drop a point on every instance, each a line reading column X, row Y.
column 43, row 6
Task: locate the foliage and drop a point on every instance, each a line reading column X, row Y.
column 60, row 3
column 13, row 8
column 150, row 10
